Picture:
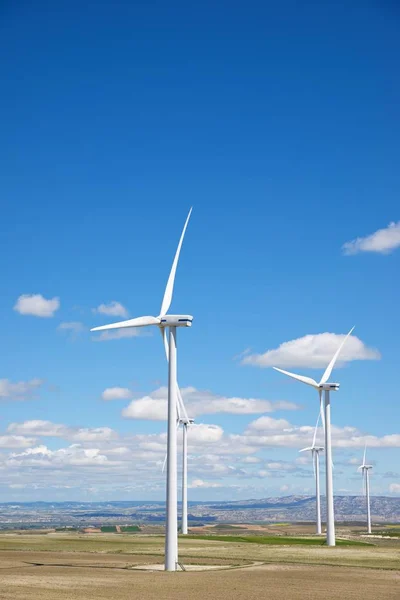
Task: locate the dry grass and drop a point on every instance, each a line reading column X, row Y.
column 254, row 583
column 95, row 567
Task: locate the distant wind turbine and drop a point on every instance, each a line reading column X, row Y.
column 365, row 469
column 164, row 321
column 324, row 386
column 182, row 419
column 315, row 450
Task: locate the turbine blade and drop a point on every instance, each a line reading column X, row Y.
column 180, row 407
column 163, row 332
column 321, row 411
column 329, row 368
column 305, row 449
column 138, row 322
column 301, row 378
column 166, row 303
column 164, row 463
column 181, row 404
column 313, row 464
column 365, row 452
column 315, row 431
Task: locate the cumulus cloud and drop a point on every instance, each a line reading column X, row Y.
column 394, row 488
column 15, row 441
column 199, row 483
column 75, row 455
column 269, row 424
column 48, row 429
column 117, row 334
column 313, row 351
column 36, row 305
column 200, row 433
column 116, row 393
column 268, row 432
column 382, row 241
column 74, row 328
column 200, row 402
column 20, row 390
column 113, row 309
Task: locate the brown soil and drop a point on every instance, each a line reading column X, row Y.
column 100, row 577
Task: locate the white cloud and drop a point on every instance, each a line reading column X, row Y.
column 382, row 241
column 266, row 424
column 268, row 432
column 38, row 428
column 74, row 328
column 200, row 402
column 37, row 305
column 113, row 309
column 75, row 455
column 49, row 429
column 116, row 393
column 118, row 334
column 15, row 441
column 97, row 434
column 200, row 433
column 394, row 488
column 147, row 408
column 313, row 351
column 20, row 390
column 284, row 488
column 199, row 483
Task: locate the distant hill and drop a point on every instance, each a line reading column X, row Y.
column 302, row 508
column 285, row 508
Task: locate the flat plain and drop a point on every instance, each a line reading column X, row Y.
column 97, row 566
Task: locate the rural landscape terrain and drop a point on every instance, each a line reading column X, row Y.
column 129, row 513
column 220, row 561
column 101, row 550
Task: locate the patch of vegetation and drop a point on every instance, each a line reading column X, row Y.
column 388, row 532
column 279, row 540
column 130, row 528
column 108, row 529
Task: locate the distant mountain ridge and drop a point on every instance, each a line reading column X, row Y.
column 302, row 508
column 274, row 509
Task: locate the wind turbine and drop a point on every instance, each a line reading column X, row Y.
column 365, row 469
column 185, row 423
column 315, row 450
column 324, row 386
column 172, row 322
column 182, row 419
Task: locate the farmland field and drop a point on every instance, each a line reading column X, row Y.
column 98, row 566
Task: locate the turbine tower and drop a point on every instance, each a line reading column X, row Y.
column 185, row 424
column 315, row 450
column 324, row 386
column 182, row 419
column 365, row 469
column 172, row 322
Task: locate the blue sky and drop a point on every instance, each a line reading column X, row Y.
column 279, row 124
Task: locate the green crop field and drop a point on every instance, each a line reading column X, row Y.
column 277, row 540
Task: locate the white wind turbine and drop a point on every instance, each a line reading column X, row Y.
column 324, row 386
column 185, row 424
column 164, row 320
column 365, row 469
column 182, row 419
column 315, row 450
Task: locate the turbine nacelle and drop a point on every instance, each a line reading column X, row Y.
column 329, row 387
column 176, row 321
column 187, row 421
